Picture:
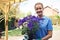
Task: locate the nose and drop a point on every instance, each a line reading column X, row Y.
column 39, row 10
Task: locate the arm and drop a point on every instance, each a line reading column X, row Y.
column 49, row 35
column 49, row 29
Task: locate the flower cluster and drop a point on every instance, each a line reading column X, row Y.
column 30, row 25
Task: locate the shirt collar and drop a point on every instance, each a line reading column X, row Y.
column 42, row 18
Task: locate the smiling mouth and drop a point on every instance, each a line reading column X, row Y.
column 39, row 12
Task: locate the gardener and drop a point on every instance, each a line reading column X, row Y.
column 45, row 31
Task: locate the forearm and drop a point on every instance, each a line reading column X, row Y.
column 47, row 37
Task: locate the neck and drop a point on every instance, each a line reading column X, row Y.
column 40, row 16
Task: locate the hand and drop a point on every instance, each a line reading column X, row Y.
column 43, row 39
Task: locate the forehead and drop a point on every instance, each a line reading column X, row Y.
column 39, row 5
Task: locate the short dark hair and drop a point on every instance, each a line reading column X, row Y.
column 38, row 4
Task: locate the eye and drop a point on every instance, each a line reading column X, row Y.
column 38, row 8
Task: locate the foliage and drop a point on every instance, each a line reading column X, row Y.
column 15, row 12
column 2, row 25
column 55, row 19
column 2, row 21
column 11, row 25
column 15, row 32
column 30, row 25
column 57, row 16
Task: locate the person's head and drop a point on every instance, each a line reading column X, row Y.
column 39, row 9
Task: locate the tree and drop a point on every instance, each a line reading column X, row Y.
column 58, row 18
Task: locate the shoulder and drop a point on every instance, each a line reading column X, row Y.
column 47, row 19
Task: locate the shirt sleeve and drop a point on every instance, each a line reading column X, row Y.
column 49, row 26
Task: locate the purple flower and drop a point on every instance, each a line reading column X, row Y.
column 20, row 22
column 30, row 19
column 30, row 25
column 31, row 22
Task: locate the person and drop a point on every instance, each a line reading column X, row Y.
column 45, row 30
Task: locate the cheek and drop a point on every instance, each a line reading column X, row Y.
column 36, row 11
column 42, row 9
column 39, row 10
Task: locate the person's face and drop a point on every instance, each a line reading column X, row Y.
column 39, row 9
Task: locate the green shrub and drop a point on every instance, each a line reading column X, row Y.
column 55, row 19
column 11, row 25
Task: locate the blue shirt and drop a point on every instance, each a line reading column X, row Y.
column 45, row 25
